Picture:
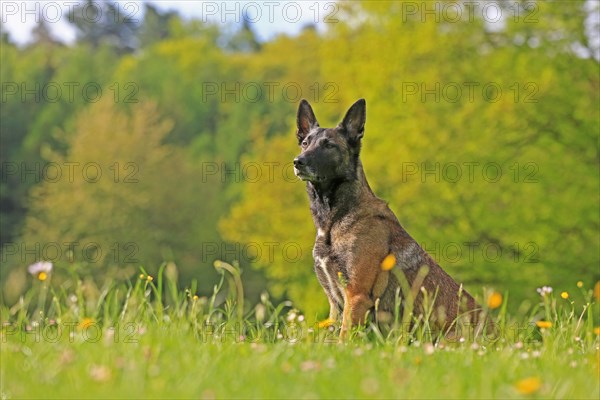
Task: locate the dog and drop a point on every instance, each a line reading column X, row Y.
column 358, row 236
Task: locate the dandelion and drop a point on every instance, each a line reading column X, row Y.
column 388, row 262
column 580, row 284
column 195, row 297
column 597, row 331
column 85, row 323
column 564, row 295
column 544, row 291
column 291, row 316
column 528, row 385
column 544, row 324
column 40, row 269
column 326, row 323
column 495, row 300
column 597, row 290
column 429, row 348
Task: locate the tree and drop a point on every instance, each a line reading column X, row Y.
column 105, row 23
column 120, row 197
column 155, row 26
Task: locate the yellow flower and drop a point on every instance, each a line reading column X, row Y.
column 195, row 297
column 141, row 276
column 597, row 331
column 326, row 323
column 597, row 290
column 149, row 278
column 86, row 323
column 564, row 295
column 543, row 324
column 42, row 276
column 579, row 284
column 529, row 385
column 495, row 300
column 388, row 262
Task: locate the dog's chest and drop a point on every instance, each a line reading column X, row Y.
column 330, row 266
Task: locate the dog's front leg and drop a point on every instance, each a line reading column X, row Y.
column 334, row 311
column 356, row 305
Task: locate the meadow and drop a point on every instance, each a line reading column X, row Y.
column 148, row 339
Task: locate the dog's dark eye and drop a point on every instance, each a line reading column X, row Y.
column 304, row 143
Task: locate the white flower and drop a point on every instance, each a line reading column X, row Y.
column 40, row 266
column 544, row 290
column 428, row 348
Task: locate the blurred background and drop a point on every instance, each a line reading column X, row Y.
column 138, row 133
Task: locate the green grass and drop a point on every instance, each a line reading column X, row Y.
column 147, row 339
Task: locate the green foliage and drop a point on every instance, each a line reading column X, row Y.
column 123, row 199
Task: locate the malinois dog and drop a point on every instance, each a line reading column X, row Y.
column 358, row 236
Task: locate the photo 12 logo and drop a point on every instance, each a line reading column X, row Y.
column 53, row 12
column 252, row 252
column 253, row 92
column 468, row 92
column 69, row 171
column 68, row 92
column 491, row 12
column 85, row 331
column 249, row 172
column 469, row 172
column 454, row 252
column 254, row 12
column 86, row 251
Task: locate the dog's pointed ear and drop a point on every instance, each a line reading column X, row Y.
column 354, row 121
column 305, row 119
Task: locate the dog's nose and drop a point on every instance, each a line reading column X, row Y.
column 298, row 162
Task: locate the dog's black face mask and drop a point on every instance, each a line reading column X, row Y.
column 329, row 154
